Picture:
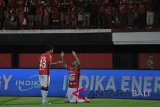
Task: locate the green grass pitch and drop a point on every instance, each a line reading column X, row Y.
column 58, row 102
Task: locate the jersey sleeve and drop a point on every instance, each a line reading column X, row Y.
column 49, row 58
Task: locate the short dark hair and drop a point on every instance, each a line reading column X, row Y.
column 49, row 47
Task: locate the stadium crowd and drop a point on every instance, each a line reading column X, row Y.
column 73, row 14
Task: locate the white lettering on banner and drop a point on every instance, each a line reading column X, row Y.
column 6, row 81
column 111, row 84
column 99, row 82
column 147, row 83
column 137, row 84
column 157, row 84
column 0, row 82
column 92, row 83
column 26, row 85
column 65, row 82
column 125, row 83
column 145, row 93
column 86, row 79
column 27, row 82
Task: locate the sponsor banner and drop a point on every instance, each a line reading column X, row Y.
column 141, row 84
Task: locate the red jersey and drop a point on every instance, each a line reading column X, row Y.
column 123, row 9
column 44, row 64
column 74, row 76
column 141, row 9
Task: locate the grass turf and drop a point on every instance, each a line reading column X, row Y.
column 58, row 102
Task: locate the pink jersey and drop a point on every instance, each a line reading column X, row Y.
column 44, row 64
column 74, row 76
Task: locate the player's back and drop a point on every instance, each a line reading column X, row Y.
column 44, row 63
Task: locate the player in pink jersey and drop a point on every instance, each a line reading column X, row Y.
column 45, row 62
column 74, row 77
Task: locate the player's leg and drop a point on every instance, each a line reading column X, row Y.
column 66, row 100
column 45, row 91
column 83, row 100
column 75, row 99
column 80, row 101
column 44, row 81
column 70, row 98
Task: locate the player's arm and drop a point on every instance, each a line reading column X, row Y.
column 63, row 61
column 76, row 58
column 52, row 64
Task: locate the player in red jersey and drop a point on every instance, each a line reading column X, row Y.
column 45, row 62
column 74, row 77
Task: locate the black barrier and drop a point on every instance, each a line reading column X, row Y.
column 71, row 37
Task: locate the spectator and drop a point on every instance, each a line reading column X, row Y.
column 150, row 15
column 130, row 15
column 73, row 17
column 56, row 14
column 56, row 17
column 101, row 16
column 7, row 19
column 116, row 20
column 64, row 13
column 156, row 5
column 6, row 3
column 2, row 5
column 49, row 10
column 142, row 15
column 108, row 15
column 94, row 15
column 87, row 13
column 123, row 15
column 136, row 17
column 13, row 18
column 80, row 18
column 38, row 17
column 21, row 17
column 31, row 13
column 46, row 18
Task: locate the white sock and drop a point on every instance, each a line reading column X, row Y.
column 42, row 96
column 45, row 94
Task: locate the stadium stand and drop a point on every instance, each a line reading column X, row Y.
column 79, row 14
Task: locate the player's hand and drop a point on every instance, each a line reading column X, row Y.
column 59, row 62
column 73, row 53
column 62, row 54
